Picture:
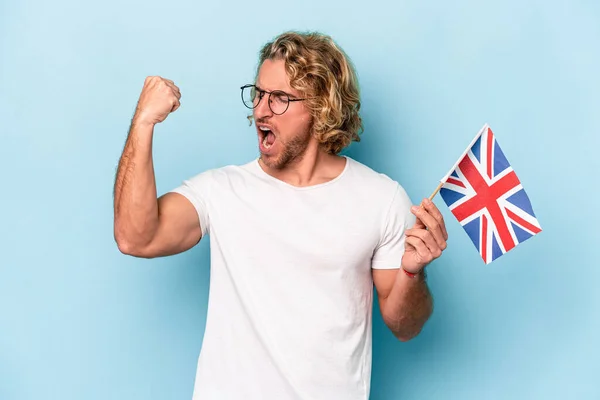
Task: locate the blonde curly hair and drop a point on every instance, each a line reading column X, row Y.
column 319, row 69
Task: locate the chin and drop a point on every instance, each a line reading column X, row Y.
column 272, row 161
column 282, row 154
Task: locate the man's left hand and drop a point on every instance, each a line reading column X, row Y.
column 426, row 240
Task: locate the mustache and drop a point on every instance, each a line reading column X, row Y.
column 264, row 121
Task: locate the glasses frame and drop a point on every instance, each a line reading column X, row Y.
column 261, row 94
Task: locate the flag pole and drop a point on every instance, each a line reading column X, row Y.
column 437, row 189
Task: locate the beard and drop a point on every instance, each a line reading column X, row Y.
column 292, row 152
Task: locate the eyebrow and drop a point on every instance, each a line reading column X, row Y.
column 289, row 94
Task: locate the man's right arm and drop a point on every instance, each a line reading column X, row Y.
column 144, row 225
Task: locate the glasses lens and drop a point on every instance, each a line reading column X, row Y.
column 279, row 102
column 249, row 96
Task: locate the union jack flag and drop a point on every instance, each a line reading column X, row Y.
column 485, row 195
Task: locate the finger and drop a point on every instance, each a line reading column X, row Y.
column 427, row 238
column 169, row 83
column 435, row 212
column 175, row 89
column 149, row 80
column 434, row 222
column 176, row 105
column 423, row 252
column 431, row 224
column 419, row 224
column 172, row 86
column 177, row 94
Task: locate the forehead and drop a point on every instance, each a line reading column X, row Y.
column 272, row 76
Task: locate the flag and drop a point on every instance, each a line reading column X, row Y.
column 485, row 195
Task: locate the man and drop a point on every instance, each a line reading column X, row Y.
column 298, row 237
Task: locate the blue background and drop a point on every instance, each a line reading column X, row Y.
column 79, row 320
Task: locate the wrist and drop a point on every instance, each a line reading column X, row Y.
column 141, row 121
column 413, row 275
column 141, row 124
column 141, row 129
column 410, row 274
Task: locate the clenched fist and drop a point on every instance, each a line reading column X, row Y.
column 158, row 99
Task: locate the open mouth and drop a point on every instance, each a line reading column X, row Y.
column 266, row 136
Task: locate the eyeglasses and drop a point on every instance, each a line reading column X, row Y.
column 278, row 101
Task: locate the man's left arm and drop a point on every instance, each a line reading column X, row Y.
column 404, row 297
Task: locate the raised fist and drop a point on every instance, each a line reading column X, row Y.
column 158, row 99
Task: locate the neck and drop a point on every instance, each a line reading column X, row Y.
column 313, row 168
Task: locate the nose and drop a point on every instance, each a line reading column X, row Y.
column 262, row 110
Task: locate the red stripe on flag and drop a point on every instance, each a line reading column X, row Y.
column 455, row 182
column 490, row 139
column 484, row 237
column 501, row 226
column 487, row 197
column 475, row 203
column 504, row 184
column 522, row 222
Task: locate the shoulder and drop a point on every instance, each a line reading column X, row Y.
column 377, row 183
column 221, row 175
column 386, row 197
column 382, row 193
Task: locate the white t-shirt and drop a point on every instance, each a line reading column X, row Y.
column 291, row 291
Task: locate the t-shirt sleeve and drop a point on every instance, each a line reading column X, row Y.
column 390, row 249
column 197, row 190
